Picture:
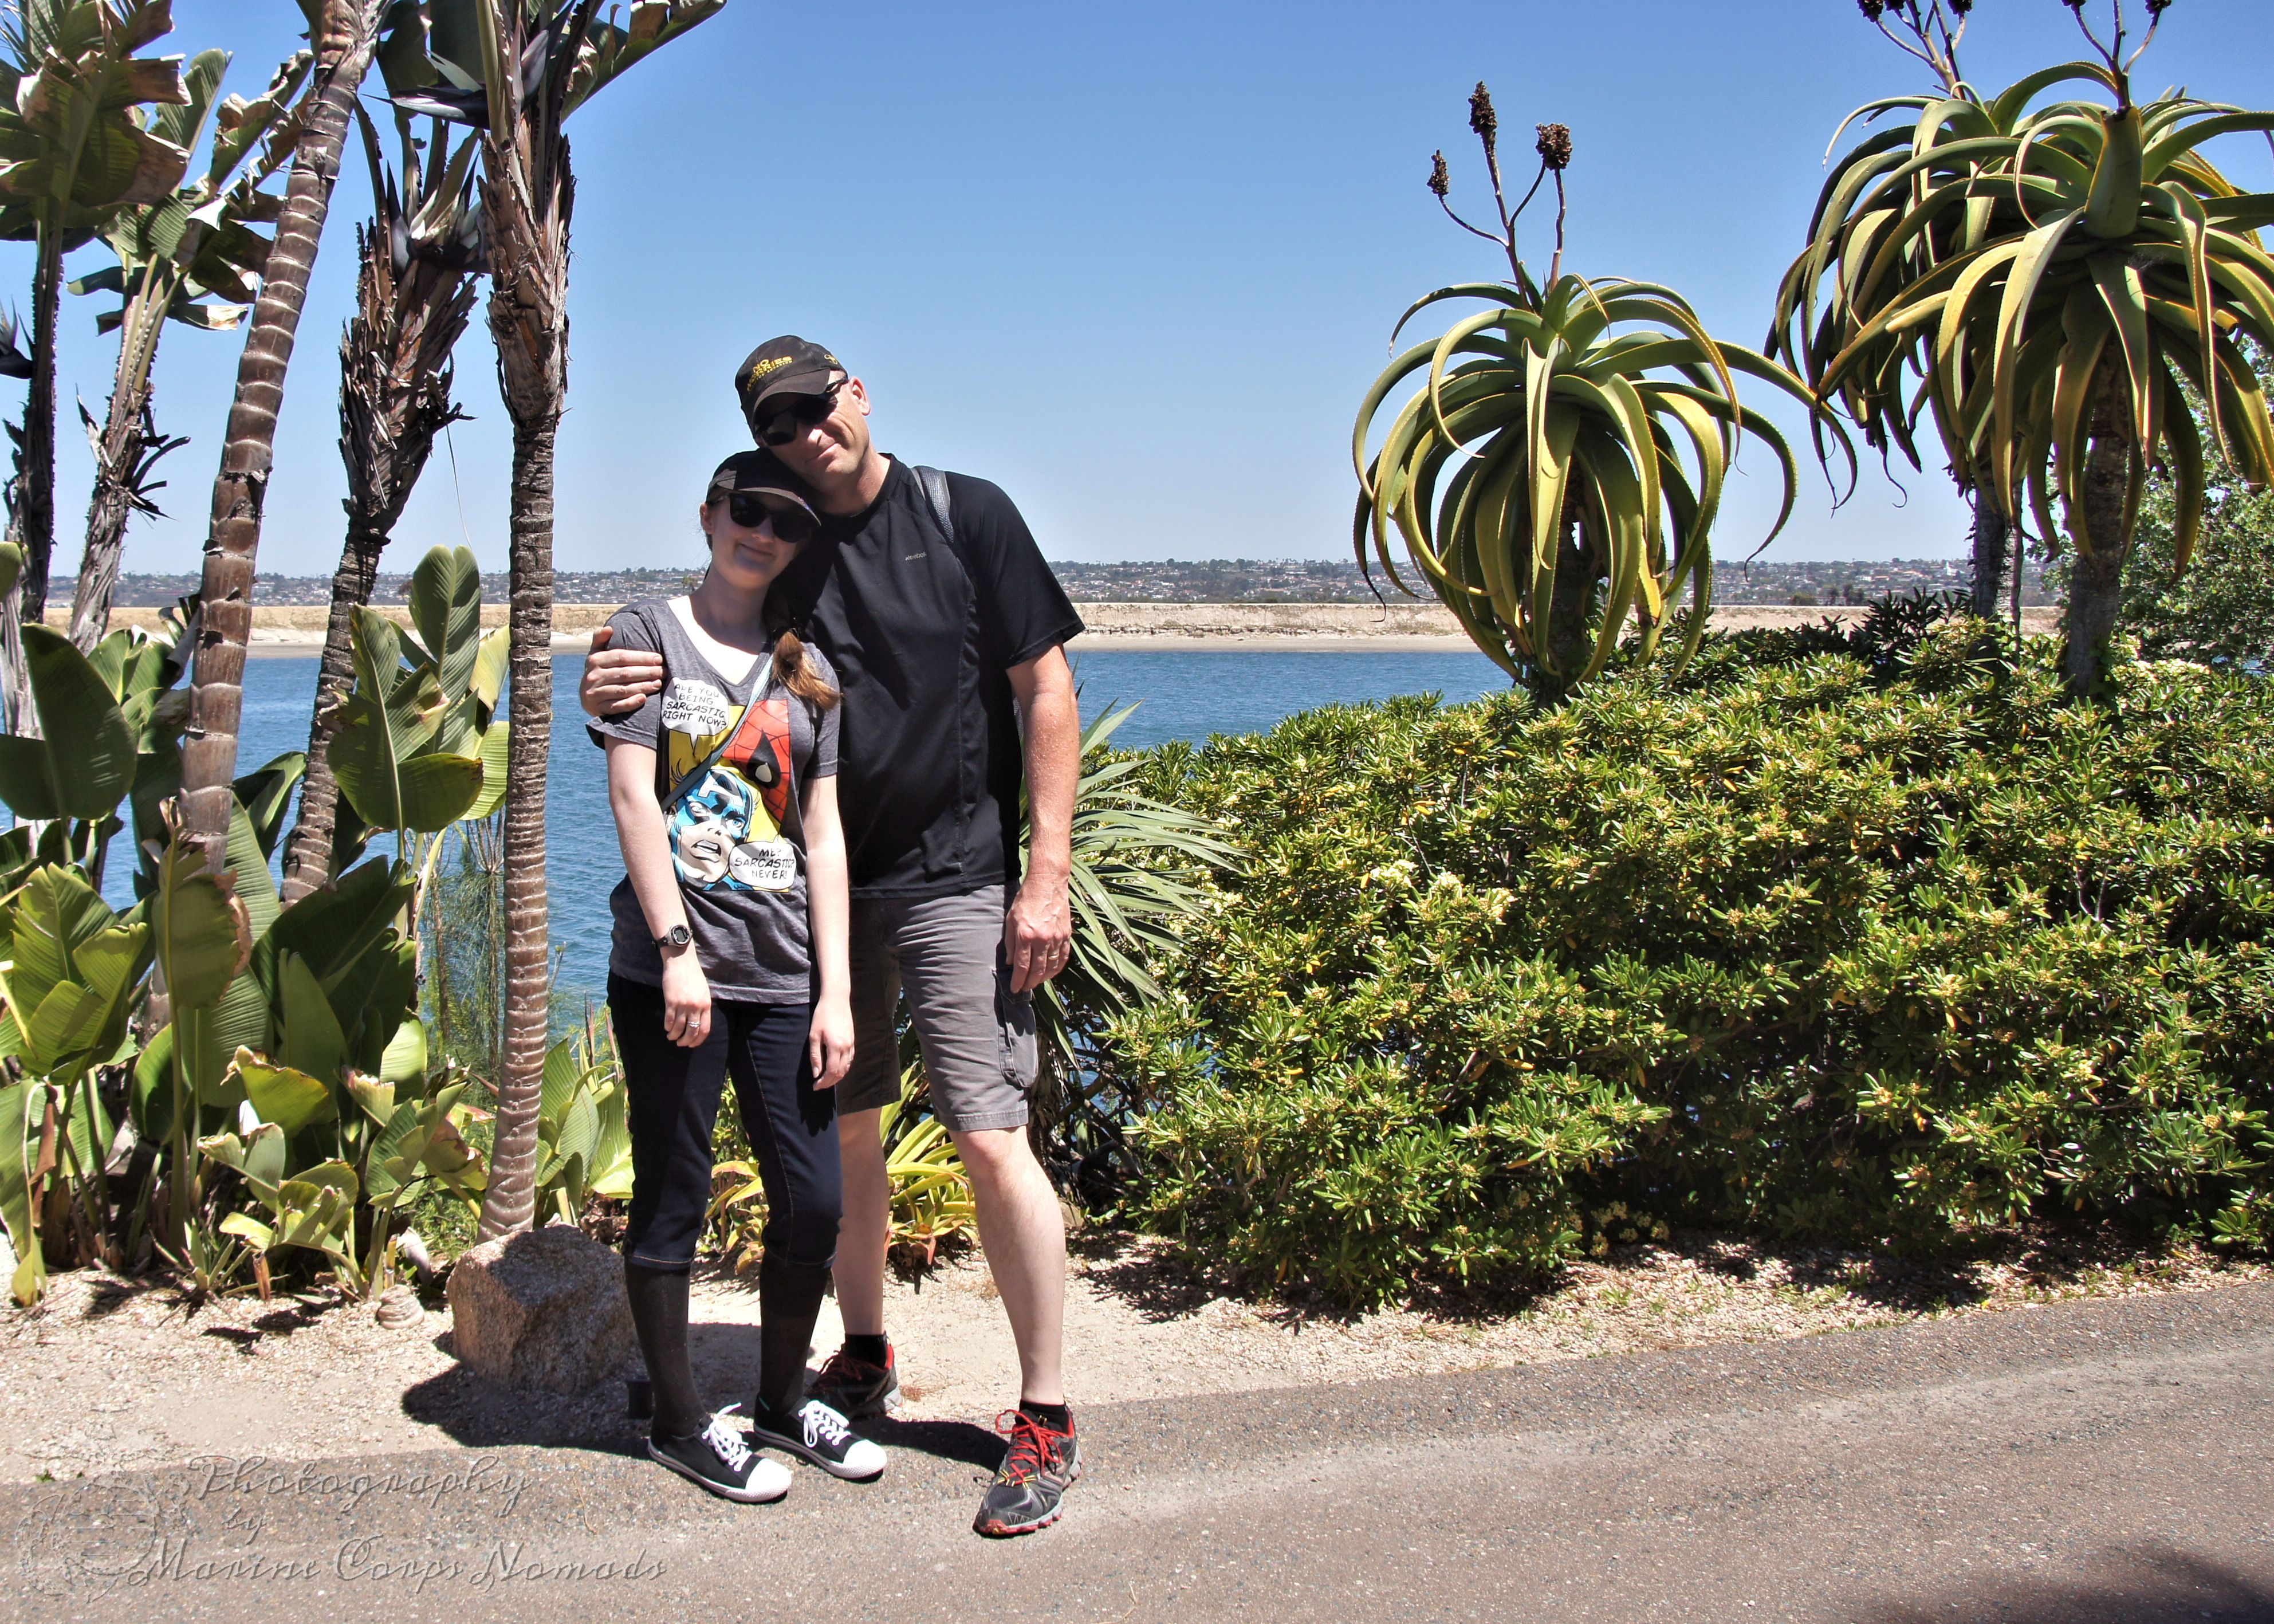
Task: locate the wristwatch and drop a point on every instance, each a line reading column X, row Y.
column 676, row 937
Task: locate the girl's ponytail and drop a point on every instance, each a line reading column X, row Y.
column 794, row 673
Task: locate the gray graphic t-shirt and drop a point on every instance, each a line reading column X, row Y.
column 737, row 840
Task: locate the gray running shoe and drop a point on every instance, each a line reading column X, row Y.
column 1030, row 1487
column 855, row 1388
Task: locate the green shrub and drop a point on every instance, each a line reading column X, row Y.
column 1839, row 946
column 2220, row 610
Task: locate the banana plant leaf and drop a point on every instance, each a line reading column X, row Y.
column 74, row 146
column 73, row 978
column 385, row 754
column 18, row 1101
column 85, row 764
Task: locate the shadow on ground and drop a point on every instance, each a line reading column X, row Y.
column 2155, row 1585
column 482, row 1414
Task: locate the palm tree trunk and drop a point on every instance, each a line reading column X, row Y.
column 217, row 692
column 127, row 433
column 2096, row 584
column 123, row 437
column 395, row 397
column 35, row 498
column 308, row 852
column 510, row 1201
column 527, row 198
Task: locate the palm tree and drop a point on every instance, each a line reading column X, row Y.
column 191, row 257
column 1535, row 476
column 538, row 62
column 2051, row 285
column 344, row 34
column 420, row 254
column 73, row 152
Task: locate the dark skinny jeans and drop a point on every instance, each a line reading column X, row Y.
column 674, row 1105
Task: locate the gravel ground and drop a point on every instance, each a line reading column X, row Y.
column 109, row 1374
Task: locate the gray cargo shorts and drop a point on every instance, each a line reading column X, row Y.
column 977, row 1035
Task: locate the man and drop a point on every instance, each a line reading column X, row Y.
column 947, row 630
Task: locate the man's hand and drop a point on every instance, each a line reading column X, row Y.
column 1038, row 931
column 617, row 679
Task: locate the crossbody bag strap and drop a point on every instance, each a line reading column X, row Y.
column 794, row 825
column 695, row 774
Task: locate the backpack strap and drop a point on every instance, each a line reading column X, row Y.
column 936, row 497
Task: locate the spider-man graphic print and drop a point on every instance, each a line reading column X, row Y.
column 727, row 832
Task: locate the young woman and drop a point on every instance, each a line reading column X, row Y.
column 729, row 960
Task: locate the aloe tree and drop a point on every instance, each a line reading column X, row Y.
column 517, row 69
column 73, row 152
column 193, row 257
column 2050, row 284
column 414, row 294
column 343, row 33
column 1536, row 477
column 1932, row 31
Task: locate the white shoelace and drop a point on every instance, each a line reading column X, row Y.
column 727, row 1441
column 823, row 1425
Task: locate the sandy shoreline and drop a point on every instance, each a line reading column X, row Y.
column 297, row 631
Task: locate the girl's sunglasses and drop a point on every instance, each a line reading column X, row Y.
column 794, row 525
column 794, row 420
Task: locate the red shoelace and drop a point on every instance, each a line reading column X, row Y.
column 1034, row 1445
column 845, row 1370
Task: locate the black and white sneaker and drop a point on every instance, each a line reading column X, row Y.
column 720, row 1458
column 819, row 1435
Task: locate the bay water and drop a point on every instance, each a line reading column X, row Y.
column 1182, row 694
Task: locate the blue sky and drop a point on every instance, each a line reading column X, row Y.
column 1135, row 264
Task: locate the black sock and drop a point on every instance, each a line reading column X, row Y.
column 1057, row 1417
column 659, row 1299
column 874, row 1349
column 790, row 1301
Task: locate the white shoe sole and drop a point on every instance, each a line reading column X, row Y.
column 751, row 1494
column 761, row 1439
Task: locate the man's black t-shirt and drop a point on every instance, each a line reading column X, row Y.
column 923, row 632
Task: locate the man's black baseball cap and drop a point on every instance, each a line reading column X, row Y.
column 785, row 367
column 761, row 473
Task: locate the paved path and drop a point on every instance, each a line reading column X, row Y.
column 2088, row 1461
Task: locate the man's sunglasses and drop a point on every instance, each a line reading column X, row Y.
column 794, row 525
column 794, row 419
